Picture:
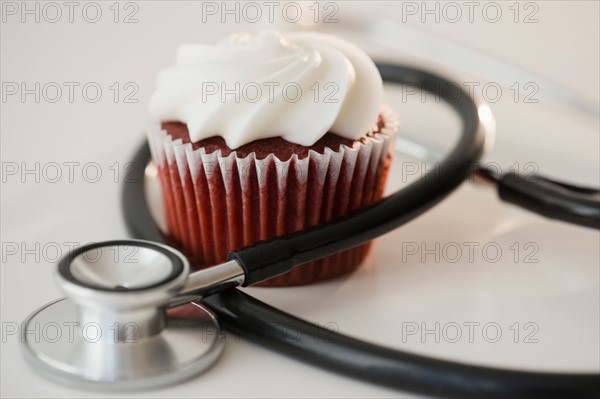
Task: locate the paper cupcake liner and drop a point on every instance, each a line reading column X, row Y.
column 215, row 204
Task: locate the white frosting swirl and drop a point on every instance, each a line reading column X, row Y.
column 298, row 86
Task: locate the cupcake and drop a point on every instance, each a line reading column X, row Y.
column 264, row 135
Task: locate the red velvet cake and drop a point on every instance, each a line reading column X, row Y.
column 236, row 172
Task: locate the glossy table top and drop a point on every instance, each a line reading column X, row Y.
column 472, row 280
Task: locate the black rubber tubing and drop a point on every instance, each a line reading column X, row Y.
column 274, row 329
column 553, row 199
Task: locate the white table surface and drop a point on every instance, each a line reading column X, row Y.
column 558, row 295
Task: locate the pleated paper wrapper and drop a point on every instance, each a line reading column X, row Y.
column 214, row 204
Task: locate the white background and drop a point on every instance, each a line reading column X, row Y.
column 559, row 294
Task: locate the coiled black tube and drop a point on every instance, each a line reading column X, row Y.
column 266, row 325
column 275, row 329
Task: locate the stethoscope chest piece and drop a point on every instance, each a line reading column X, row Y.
column 112, row 330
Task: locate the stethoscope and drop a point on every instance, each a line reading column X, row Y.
column 118, row 292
